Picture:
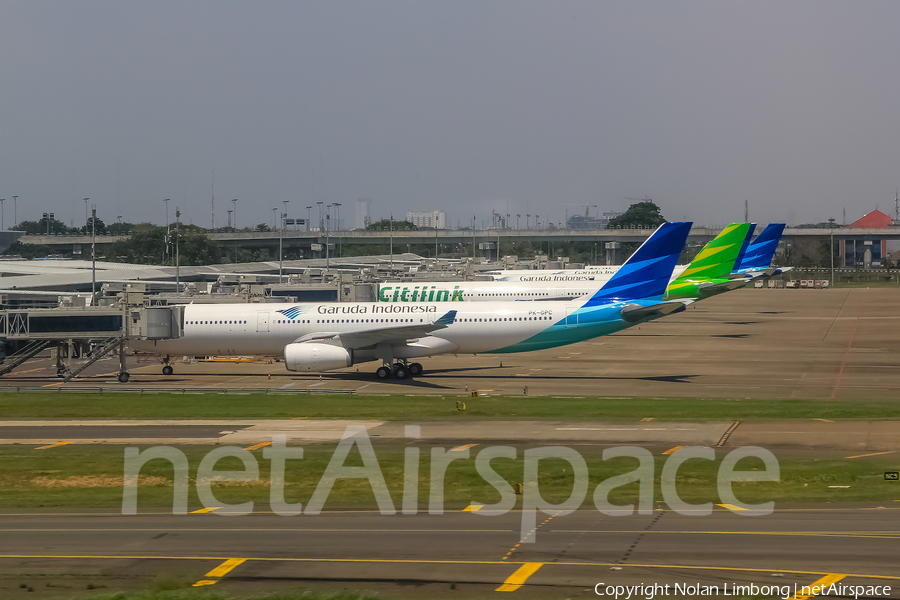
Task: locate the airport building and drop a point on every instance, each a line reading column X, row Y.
column 435, row 219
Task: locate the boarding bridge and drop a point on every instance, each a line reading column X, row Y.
column 85, row 333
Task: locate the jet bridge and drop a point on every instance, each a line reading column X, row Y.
column 85, row 333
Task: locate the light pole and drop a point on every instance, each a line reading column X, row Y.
column 327, row 239
column 281, row 244
column 234, row 211
column 274, row 212
column 177, row 270
column 517, row 222
column 321, row 222
column 473, row 237
column 831, row 251
column 2, row 225
column 15, row 216
column 337, row 216
column 308, row 216
column 392, row 242
column 93, row 255
column 166, row 200
column 527, row 220
column 284, row 222
column 86, row 214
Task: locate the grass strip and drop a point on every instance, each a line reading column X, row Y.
column 92, row 477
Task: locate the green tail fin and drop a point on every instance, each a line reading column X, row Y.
column 716, row 259
column 712, row 265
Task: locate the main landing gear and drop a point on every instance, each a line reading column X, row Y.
column 167, row 369
column 400, row 371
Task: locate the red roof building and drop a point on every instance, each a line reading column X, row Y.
column 873, row 220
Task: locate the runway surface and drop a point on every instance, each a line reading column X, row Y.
column 839, row 343
column 855, row 435
column 565, row 556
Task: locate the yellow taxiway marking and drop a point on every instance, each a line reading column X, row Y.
column 473, row 508
column 824, row 420
column 220, row 571
column 671, row 450
column 731, row 507
column 648, row 419
column 205, row 510
column 53, row 445
column 437, row 562
column 258, row 446
column 461, row 448
column 821, row 583
column 873, row 454
column 518, row 579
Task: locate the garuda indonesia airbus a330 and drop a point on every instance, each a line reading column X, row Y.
column 315, row 337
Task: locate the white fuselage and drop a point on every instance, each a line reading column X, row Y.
column 538, row 285
column 260, row 330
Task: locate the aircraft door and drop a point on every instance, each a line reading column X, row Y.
column 571, row 317
column 262, row 322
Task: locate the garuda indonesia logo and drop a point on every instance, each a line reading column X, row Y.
column 292, row 312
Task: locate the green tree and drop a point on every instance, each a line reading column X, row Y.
column 28, row 251
column 119, row 228
column 99, row 227
column 642, row 214
column 40, row 227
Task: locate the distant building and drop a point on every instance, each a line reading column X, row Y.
column 436, row 219
column 580, row 222
column 362, row 217
column 865, row 250
column 873, row 220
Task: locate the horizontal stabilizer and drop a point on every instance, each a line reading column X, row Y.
column 633, row 313
column 709, row 288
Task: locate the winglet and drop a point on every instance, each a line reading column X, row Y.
column 446, row 319
column 646, row 274
column 760, row 252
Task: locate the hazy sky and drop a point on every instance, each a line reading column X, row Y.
column 463, row 106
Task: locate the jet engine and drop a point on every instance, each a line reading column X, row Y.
column 316, row 357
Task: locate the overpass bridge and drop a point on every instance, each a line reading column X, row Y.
column 308, row 241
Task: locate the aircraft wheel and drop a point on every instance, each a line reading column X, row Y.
column 383, row 373
column 401, row 372
column 123, row 377
column 168, row 370
column 415, row 369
